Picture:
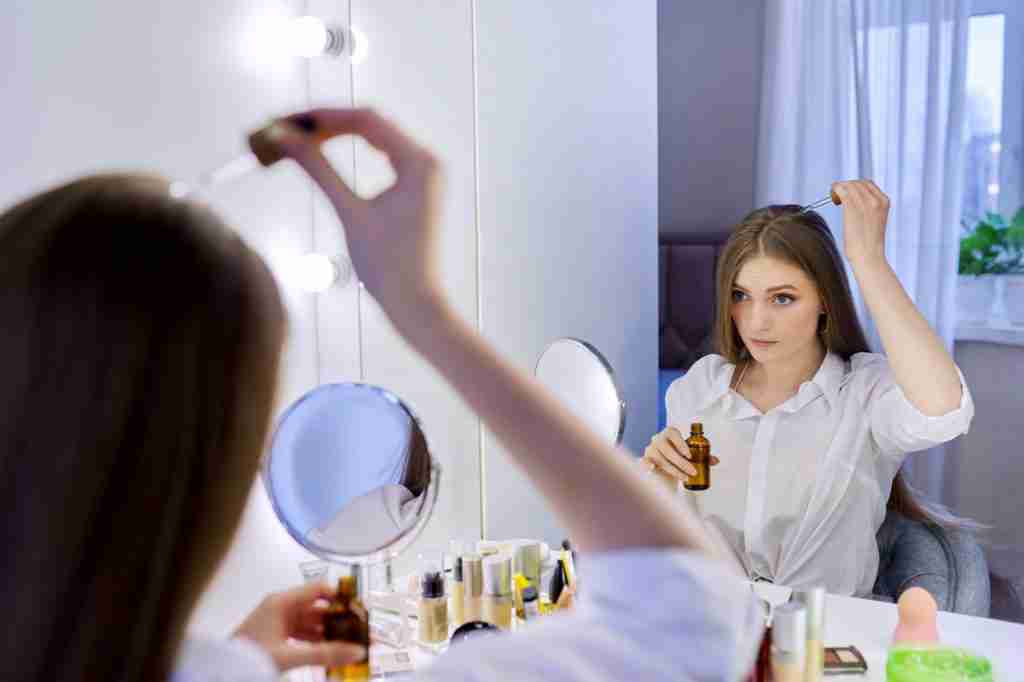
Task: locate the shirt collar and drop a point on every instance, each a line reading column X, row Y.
column 826, row 381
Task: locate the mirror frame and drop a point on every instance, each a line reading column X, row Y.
column 397, row 546
column 607, row 367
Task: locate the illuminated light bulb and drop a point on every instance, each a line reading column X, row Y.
column 315, row 273
column 993, row 189
column 995, row 147
column 360, row 46
column 311, row 37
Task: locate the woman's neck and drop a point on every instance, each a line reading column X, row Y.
column 788, row 373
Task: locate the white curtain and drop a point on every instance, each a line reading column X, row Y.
column 874, row 89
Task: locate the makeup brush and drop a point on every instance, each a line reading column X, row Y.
column 832, row 198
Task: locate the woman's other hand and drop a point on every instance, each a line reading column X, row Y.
column 289, row 627
column 865, row 214
column 668, row 455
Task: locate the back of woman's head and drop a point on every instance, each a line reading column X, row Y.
column 139, row 361
column 800, row 238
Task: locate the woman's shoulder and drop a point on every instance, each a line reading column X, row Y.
column 868, row 372
column 702, row 375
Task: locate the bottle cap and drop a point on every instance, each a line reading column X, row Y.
column 696, row 428
column 789, row 628
column 457, row 572
column 432, row 585
column 497, row 574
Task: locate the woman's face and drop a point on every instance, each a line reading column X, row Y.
column 776, row 309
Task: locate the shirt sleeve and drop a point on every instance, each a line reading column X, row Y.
column 216, row 660
column 898, row 427
column 642, row 614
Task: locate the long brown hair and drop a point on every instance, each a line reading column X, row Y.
column 804, row 239
column 139, row 364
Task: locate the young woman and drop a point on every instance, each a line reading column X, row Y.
column 139, row 364
column 809, row 427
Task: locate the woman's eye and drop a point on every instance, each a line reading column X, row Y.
column 783, row 299
column 738, row 296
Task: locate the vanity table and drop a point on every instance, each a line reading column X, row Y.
column 868, row 625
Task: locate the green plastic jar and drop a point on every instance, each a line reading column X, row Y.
column 936, row 664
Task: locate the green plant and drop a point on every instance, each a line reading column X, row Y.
column 993, row 246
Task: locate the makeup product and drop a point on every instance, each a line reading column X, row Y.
column 458, row 600
column 813, row 601
column 497, row 599
column 519, row 583
column 433, row 610
column 531, row 604
column 346, row 620
column 832, row 198
column 568, row 558
column 473, row 629
column 390, row 663
column 527, row 561
column 841, row 660
column 931, row 663
column 700, row 456
column 917, row 620
column 559, row 581
column 789, row 643
column 473, row 586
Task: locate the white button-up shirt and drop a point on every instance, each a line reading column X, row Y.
column 640, row 615
column 801, row 490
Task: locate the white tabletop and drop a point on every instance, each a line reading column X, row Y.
column 869, row 625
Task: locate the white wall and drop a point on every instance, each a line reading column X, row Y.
column 556, row 152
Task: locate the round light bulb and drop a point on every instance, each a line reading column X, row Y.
column 993, row 189
column 995, row 147
column 360, row 47
column 307, row 37
column 315, row 273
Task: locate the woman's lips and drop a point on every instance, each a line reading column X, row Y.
column 762, row 344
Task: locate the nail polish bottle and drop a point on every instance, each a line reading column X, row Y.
column 346, row 620
column 700, row 454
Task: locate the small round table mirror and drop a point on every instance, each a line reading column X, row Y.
column 350, row 474
column 584, row 381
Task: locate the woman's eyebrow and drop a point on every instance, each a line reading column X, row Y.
column 769, row 290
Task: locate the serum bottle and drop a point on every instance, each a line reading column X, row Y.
column 700, row 453
column 346, row 620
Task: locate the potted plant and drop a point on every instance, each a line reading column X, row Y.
column 992, row 247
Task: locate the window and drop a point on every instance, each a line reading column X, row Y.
column 984, row 117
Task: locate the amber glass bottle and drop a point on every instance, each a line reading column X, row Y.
column 700, row 455
column 346, row 620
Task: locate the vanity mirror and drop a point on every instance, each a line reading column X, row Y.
column 350, row 474
column 584, row 381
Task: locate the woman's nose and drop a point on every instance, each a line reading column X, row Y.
column 760, row 317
